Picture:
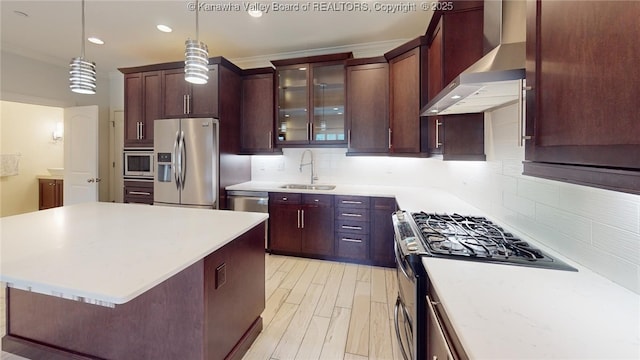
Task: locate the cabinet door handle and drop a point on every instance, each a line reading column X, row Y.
column 352, row 202
column 184, row 104
column 352, row 227
column 438, row 143
column 139, row 193
column 522, row 112
column 351, row 215
column 270, row 141
column 298, row 218
column 351, row 240
column 52, row 184
column 389, row 138
column 188, row 104
column 349, row 139
column 141, row 130
column 302, row 217
column 309, row 131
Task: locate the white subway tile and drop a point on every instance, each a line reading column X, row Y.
column 519, row 204
column 538, row 192
column 512, row 167
column 601, row 207
column 620, row 243
column 570, row 224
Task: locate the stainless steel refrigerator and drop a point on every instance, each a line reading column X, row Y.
column 187, row 158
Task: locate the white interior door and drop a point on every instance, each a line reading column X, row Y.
column 80, row 154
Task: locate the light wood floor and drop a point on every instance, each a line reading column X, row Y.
column 326, row 310
column 319, row 310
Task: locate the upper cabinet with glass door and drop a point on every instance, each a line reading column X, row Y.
column 311, row 100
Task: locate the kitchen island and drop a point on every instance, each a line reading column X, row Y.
column 125, row 281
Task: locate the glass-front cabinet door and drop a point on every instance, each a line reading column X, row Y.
column 311, row 104
column 328, row 103
column 293, row 104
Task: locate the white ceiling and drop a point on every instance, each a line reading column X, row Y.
column 52, row 31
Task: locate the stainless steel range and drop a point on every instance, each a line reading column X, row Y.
column 472, row 238
column 451, row 236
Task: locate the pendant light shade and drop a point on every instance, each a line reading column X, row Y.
column 196, row 58
column 82, row 76
column 82, row 72
column 196, row 62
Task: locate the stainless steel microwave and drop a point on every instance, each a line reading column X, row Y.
column 138, row 163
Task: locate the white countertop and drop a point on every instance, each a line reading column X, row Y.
column 107, row 253
column 513, row 312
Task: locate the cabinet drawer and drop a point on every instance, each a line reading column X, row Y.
column 352, row 227
column 384, row 203
column 138, row 193
column 352, row 246
column 284, row 198
column 352, row 201
column 352, row 214
column 318, row 200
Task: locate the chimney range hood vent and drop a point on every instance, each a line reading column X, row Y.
column 493, row 81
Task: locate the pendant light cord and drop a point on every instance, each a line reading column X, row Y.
column 82, row 43
column 197, row 27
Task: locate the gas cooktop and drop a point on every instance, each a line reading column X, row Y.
column 468, row 238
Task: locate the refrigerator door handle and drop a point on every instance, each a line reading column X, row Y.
column 183, row 160
column 175, row 161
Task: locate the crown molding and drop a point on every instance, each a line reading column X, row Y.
column 371, row 49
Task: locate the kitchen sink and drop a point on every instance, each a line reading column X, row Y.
column 308, row 187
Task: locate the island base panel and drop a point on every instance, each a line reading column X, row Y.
column 188, row 316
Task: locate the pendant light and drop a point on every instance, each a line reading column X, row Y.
column 196, row 62
column 82, row 73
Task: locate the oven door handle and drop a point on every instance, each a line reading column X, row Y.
column 397, row 326
column 399, row 262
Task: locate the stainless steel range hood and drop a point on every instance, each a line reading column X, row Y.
column 496, row 79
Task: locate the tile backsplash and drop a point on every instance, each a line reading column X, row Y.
column 597, row 228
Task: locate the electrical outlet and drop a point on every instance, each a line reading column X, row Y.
column 221, row 275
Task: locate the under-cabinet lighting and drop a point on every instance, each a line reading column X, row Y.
column 302, row 68
column 456, row 97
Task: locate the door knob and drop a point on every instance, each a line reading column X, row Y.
column 90, row 180
column 98, row 180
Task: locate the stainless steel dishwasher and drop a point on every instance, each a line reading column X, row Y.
column 254, row 201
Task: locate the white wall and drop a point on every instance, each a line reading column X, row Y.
column 27, row 130
column 597, row 228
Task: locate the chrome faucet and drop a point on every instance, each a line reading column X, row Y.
column 313, row 166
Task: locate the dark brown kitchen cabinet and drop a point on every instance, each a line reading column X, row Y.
column 405, row 133
column 138, row 192
column 455, row 43
column 368, row 106
column 183, row 99
column 352, row 227
column 382, row 235
column 219, row 98
column 50, row 193
column 310, row 100
column 142, row 94
column 257, row 120
column 301, row 224
column 580, row 113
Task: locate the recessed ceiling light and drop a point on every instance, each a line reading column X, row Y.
column 95, row 40
column 302, row 68
column 434, row 111
column 455, row 97
column 255, row 13
column 164, row 28
column 21, row 13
